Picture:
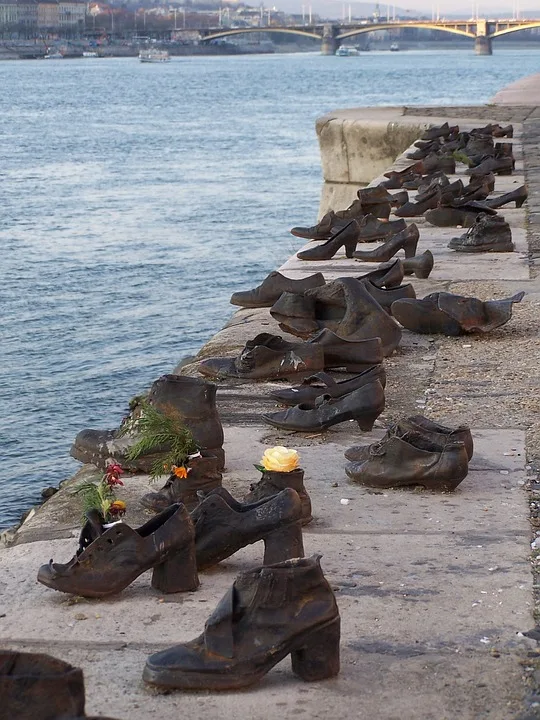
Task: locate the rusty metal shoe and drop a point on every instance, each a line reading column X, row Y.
column 221, row 529
column 193, row 400
column 202, row 476
column 324, row 384
column 518, row 196
column 385, row 297
column 273, row 482
column 500, row 166
column 451, row 314
column 353, row 354
column 488, row 234
column 267, row 357
column 346, row 307
column 35, row 686
column 346, row 237
column 121, row 554
column 363, row 405
column 408, row 458
column 429, row 430
column 271, row 288
column 443, row 130
column 370, row 229
column 445, row 216
column 420, row 265
column 269, row 612
column 321, row 231
column 406, row 240
column 389, row 275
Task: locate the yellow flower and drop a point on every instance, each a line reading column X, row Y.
column 280, row 459
column 180, row 472
column 118, row 507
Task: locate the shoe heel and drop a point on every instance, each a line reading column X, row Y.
column 350, row 247
column 520, row 202
column 367, row 421
column 410, row 248
column 283, row 544
column 178, row 573
column 318, row 658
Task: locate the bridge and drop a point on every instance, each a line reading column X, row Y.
column 333, row 35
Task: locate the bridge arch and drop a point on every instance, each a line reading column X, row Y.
column 528, row 26
column 241, row 31
column 408, row 24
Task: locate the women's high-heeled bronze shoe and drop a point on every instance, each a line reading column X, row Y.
column 223, row 527
column 323, row 384
column 419, row 265
column 406, row 240
column 363, row 405
column 346, row 237
column 269, row 612
column 120, row 554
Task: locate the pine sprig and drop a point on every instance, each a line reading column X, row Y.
column 160, row 431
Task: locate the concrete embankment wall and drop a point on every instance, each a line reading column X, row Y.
column 358, row 145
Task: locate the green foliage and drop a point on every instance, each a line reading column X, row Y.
column 162, row 432
column 459, row 156
column 94, row 497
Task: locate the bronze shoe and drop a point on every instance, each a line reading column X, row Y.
column 363, row 405
column 193, row 400
column 323, row 384
column 488, row 234
column 267, row 357
column 346, row 307
column 273, row 482
column 453, row 314
column 202, row 475
column 266, row 294
column 121, row 554
column 269, row 613
column 429, row 430
column 406, row 240
column 35, row 686
column 223, row 527
column 409, row 459
column 420, row 265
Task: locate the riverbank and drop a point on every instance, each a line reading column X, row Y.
column 432, row 589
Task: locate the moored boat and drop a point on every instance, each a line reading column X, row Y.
column 154, row 56
column 347, row 51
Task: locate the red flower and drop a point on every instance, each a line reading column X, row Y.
column 112, row 475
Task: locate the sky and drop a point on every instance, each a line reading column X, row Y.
column 334, row 8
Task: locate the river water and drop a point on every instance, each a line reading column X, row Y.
column 136, row 198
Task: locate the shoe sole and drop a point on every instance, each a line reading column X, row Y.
column 179, row 680
column 495, row 247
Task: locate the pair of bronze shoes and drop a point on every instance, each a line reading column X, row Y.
column 414, row 451
column 321, row 402
column 176, row 544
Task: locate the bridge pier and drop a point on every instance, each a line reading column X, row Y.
column 482, row 45
column 329, row 43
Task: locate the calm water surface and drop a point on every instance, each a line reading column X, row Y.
column 136, row 198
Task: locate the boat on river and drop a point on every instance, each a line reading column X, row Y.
column 394, row 47
column 153, row 55
column 347, row 51
column 53, row 54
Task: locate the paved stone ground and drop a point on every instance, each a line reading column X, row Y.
column 433, row 588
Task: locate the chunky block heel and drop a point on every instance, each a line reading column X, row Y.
column 178, row 573
column 318, row 658
column 283, row 544
column 367, row 421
